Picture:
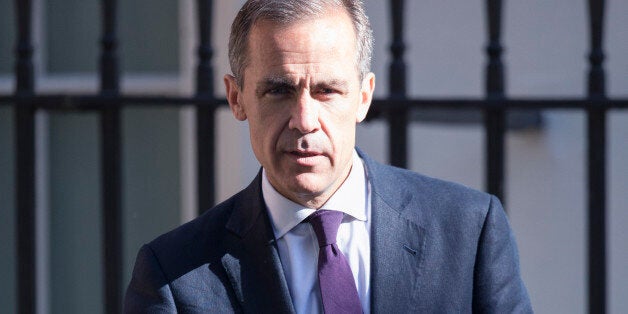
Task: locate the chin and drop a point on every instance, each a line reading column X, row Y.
column 309, row 184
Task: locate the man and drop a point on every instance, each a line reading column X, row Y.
column 405, row 243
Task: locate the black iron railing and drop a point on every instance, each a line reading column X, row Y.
column 394, row 108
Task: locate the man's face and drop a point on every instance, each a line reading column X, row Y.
column 303, row 98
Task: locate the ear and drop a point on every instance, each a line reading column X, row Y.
column 233, row 93
column 366, row 96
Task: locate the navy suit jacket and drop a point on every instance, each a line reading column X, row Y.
column 436, row 247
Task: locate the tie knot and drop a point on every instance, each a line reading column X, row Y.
column 325, row 224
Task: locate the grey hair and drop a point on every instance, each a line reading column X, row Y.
column 286, row 12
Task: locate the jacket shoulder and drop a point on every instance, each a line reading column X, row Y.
column 425, row 193
column 180, row 270
column 196, row 242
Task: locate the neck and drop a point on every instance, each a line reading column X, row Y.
column 316, row 200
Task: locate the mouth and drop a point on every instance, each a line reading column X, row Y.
column 305, row 158
column 304, row 154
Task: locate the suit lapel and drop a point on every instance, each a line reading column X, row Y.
column 396, row 254
column 252, row 260
column 397, row 244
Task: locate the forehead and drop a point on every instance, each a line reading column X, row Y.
column 325, row 41
column 335, row 15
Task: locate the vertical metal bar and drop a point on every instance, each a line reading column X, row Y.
column 397, row 118
column 24, row 71
column 109, row 67
column 494, row 118
column 25, row 162
column 111, row 162
column 596, row 126
column 25, row 206
column 205, row 115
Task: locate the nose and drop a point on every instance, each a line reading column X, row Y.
column 305, row 114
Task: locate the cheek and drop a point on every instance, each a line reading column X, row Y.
column 342, row 117
column 341, row 131
column 266, row 129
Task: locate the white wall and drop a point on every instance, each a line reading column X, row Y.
column 546, row 46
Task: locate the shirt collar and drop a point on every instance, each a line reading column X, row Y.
column 350, row 199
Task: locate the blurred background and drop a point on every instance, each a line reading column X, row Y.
column 546, row 47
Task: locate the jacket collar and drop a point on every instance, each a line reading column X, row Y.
column 251, row 259
column 397, row 239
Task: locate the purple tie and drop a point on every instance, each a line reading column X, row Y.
column 338, row 289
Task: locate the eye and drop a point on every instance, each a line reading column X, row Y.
column 326, row 93
column 326, row 90
column 279, row 91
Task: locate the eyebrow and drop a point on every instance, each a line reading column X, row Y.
column 338, row 84
column 281, row 81
column 273, row 81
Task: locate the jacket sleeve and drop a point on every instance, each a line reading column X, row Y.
column 148, row 291
column 498, row 287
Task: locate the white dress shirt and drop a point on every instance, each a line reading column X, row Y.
column 298, row 246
